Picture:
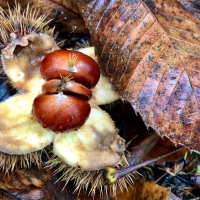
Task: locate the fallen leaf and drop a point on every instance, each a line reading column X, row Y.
column 34, row 184
column 150, row 52
column 22, row 181
column 144, row 190
column 4, row 197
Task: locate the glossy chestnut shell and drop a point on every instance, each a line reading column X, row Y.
column 67, row 63
column 70, row 75
column 68, row 87
column 60, row 112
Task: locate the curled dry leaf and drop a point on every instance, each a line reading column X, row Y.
column 150, row 50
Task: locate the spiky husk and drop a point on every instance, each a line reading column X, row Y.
column 90, row 182
column 9, row 162
column 20, row 22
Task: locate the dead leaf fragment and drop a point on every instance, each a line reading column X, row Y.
column 150, row 50
column 33, row 184
column 4, row 197
column 23, row 179
column 144, row 190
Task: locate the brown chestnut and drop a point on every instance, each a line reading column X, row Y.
column 68, row 87
column 64, row 63
column 60, row 112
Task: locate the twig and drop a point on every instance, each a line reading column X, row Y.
column 112, row 174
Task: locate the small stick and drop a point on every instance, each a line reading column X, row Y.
column 112, row 174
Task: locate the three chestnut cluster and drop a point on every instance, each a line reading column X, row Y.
column 70, row 75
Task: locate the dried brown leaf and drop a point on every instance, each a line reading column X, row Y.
column 33, row 184
column 150, row 50
column 4, row 197
column 145, row 190
column 22, row 179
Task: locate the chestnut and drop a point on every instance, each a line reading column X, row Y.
column 60, row 112
column 57, row 85
column 70, row 75
column 64, row 63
